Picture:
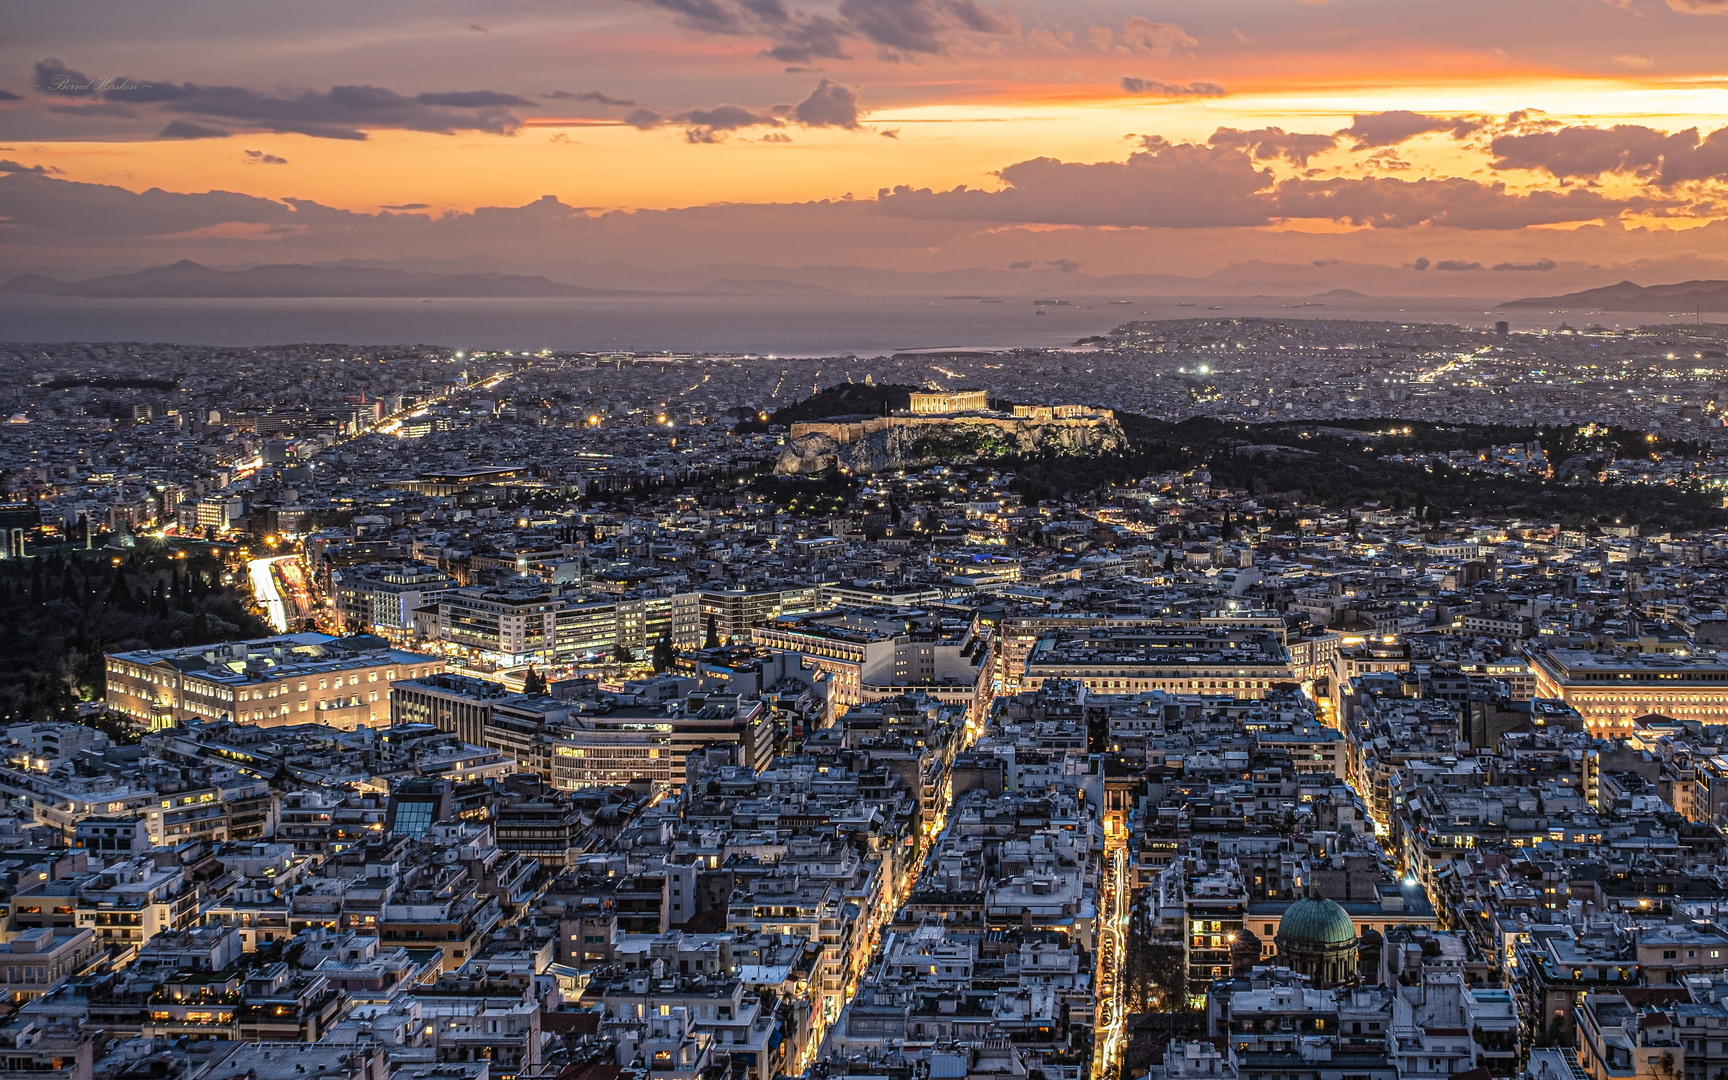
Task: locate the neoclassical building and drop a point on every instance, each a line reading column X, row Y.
column 1315, row 937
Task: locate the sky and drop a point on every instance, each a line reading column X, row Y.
column 1469, row 146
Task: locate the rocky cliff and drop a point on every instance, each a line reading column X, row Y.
column 874, row 444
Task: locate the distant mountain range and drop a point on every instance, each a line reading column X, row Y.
column 480, row 276
column 1629, row 296
column 189, row 280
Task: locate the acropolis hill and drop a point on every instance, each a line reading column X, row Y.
column 944, row 426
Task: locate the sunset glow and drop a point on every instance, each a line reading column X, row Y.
column 1372, row 132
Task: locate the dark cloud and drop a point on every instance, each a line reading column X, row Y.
column 1271, row 142
column 1588, row 152
column 829, row 105
column 801, row 40
column 9, row 166
column 1539, row 266
column 181, row 129
column 1133, row 84
column 712, row 125
column 1398, row 125
column 1066, row 266
column 776, row 137
column 914, row 26
column 7, row 95
column 54, row 77
column 898, row 28
column 1020, row 264
column 342, row 112
column 891, row 133
column 592, row 95
column 1457, row 264
column 407, row 206
column 1422, row 263
column 259, row 157
column 476, row 99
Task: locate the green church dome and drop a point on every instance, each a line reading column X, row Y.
column 1315, row 921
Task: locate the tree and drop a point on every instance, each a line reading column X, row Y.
column 712, row 641
column 623, row 655
column 664, row 654
column 534, row 682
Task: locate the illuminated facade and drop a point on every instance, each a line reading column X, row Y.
column 1611, row 690
column 292, row 679
column 1244, row 663
column 939, row 402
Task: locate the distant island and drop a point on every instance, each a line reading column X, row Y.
column 1630, row 296
column 189, row 280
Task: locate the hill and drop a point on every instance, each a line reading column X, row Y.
column 189, row 280
column 1630, row 296
column 841, row 399
column 760, row 287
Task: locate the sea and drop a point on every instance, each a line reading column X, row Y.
column 779, row 326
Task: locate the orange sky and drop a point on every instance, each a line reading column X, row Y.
column 661, row 104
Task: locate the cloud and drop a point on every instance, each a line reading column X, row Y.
column 891, row 133
column 9, row 166
column 776, row 137
column 68, row 211
column 342, row 112
column 1588, row 152
column 829, row 105
column 711, row 125
column 1271, row 142
column 7, row 95
column 1142, row 35
column 1164, row 185
column 916, row 26
column 1066, row 266
column 897, row 28
column 1540, row 266
column 54, row 77
column 1457, row 264
column 1422, row 263
column 1634, row 61
column 591, row 95
column 1182, row 185
column 406, row 206
column 1020, row 264
column 1399, row 125
column 475, row 99
column 1392, row 203
column 1700, row 7
column 259, row 157
column 1151, row 87
column 181, row 129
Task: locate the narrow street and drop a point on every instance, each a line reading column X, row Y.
column 1112, row 941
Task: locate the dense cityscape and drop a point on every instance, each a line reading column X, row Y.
column 1215, row 699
